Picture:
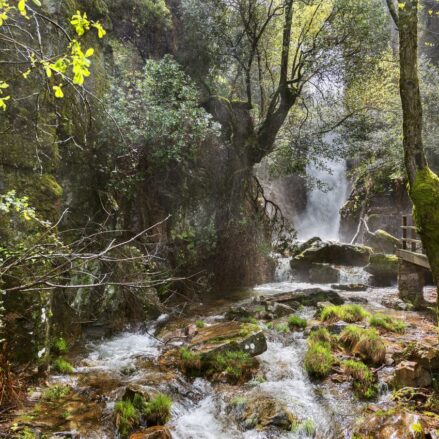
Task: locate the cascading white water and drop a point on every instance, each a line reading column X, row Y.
column 322, row 214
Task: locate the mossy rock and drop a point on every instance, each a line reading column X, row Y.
column 383, row 242
column 384, row 268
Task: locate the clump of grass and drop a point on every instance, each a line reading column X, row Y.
column 200, row 324
column 370, row 347
column 158, row 410
column 363, row 379
column 282, row 328
column 190, row 362
column 319, row 360
column 252, row 320
column 348, row 313
column 60, row 346
column 351, row 335
column 308, row 427
column 63, row 366
column 295, row 322
column 234, row 363
column 56, row 392
column 127, row 417
column 388, row 323
column 320, row 335
column 238, row 401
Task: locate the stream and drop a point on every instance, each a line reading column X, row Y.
column 200, row 409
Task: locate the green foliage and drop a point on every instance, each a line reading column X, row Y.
column 282, row 328
column 351, row 335
column 56, row 392
column 347, row 313
column 320, row 335
column 190, row 362
column 364, row 382
column 60, row 346
column 387, row 322
column 319, row 360
column 200, row 324
column 295, row 321
column 234, row 363
column 63, row 366
column 127, row 417
column 27, row 433
column 158, row 410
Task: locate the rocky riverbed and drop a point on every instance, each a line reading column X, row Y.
column 242, row 366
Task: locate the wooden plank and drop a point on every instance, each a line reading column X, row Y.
column 414, row 258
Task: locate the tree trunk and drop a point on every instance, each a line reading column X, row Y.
column 423, row 183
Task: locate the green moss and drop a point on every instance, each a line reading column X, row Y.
column 347, row 313
column 382, row 234
column 127, row 417
column 282, row 328
column 63, row 366
column 296, row 322
column 319, row 360
column 55, row 393
column 200, row 324
column 158, row 410
column 60, row 346
column 234, row 363
column 363, row 379
column 190, row 362
column 425, row 196
column 389, row 323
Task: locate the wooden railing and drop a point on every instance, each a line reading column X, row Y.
column 410, row 240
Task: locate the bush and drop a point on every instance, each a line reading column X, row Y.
column 319, row 360
column 63, row 366
column 296, row 322
column 347, row 313
column 158, row 410
column 363, row 379
column 384, row 321
column 127, row 417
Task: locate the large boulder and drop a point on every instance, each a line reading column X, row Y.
column 382, row 242
column 411, row 374
column 383, row 268
column 229, row 336
column 258, row 310
column 323, row 274
column 332, row 253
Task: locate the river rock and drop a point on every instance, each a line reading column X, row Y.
column 383, row 268
column 261, row 412
column 411, row 374
column 382, row 242
column 323, row 274
column 229, row 336
column 306, row 245
column 260, row 309
column 157, row 432
column 333, row 253
column 307, row 297
column 390, row 424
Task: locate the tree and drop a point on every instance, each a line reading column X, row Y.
column 423, row 182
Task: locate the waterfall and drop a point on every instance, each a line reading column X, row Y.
column 322, row 214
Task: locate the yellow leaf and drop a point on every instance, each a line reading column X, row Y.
column 89, row 52
column 58, row 91
column 22, row 7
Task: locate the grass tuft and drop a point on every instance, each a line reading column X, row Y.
column 295, row 322
column 388, row 323
column 319, row 360
column 63, row 366
column 348, row 313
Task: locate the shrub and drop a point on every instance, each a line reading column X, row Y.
column 296, row 322
column 389, row 323
column 127, row 417
column 320, row 335
column 319, row 360
column 363, row 379
column 158, row 410
column 60, row 346
column 63, row 366
column 347, row 313
column 56, row 392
